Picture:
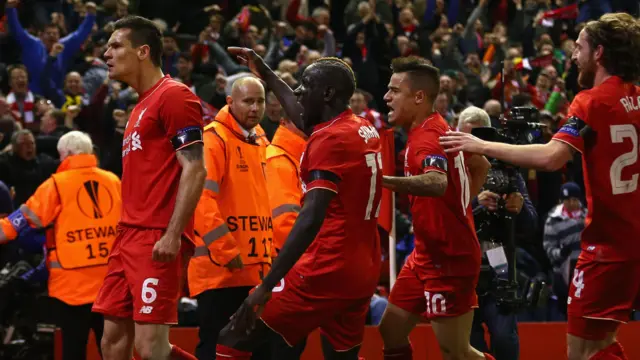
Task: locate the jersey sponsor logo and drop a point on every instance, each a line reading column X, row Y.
column 629, row 105
column 249, row 223
column 130, row 143
column 91, row 233
column 139, row 118
column 94, row 200
column 573, row 126
column 367, row 133
column 435, row 161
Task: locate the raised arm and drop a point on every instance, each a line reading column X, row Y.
column 283, row 92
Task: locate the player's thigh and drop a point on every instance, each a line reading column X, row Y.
column 155, row 286
column 345, row 330
column 330, row 353
column 453, row 333
column 117, row 338
column 582, row 349
column 406, row 305
column 114, row 297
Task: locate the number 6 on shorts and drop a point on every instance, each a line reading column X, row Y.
column 149, row 294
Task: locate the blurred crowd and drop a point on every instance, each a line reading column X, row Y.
column 53, row 79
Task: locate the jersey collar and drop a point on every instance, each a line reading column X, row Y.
column 326, row 124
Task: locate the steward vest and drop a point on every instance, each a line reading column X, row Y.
column 90, row 205
column 283, row 179
column 236, row 191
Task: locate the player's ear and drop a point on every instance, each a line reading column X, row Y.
column 329, row 93
column 144, row 52
column 419, row 97
column 229, row 100
column 597, row 52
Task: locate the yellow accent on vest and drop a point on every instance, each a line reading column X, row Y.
column 90, row 210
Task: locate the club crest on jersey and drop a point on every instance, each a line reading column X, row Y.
column 368, row 132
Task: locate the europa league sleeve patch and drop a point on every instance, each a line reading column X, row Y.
column 575, row 127
column 186, row 136
column 435, row 161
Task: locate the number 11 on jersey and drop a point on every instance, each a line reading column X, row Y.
column 375, row 166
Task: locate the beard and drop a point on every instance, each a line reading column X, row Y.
column 587, row 75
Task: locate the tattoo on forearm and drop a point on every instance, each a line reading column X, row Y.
column 430, row 184
column 192, row 152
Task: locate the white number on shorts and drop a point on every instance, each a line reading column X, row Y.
column 280, row 286
column 375, row 166
column 149, row 294
column 578, row 282
column 464, row 182
column 436, row 303
column 619, row 186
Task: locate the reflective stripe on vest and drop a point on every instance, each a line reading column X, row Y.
column 285, row 208
column 243, row 199
column 90, row 205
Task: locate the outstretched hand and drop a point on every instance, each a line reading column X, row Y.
column 245, row 318
column 247, row 57
column 455, row 141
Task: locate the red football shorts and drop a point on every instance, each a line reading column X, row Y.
column 602, row 291
column 294, row 312
column 434, row 298
column 138, row 287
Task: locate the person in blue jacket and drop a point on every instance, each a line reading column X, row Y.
column 35, row 51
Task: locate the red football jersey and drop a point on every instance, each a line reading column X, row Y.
column 445, row 237
column 603, row 124
column 344, row 259
column 150, row 168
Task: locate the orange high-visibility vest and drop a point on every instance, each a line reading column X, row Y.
column 283, row 180
column 83, row 204
column 233, row 216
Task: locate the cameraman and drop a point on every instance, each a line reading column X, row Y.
column 501, row 324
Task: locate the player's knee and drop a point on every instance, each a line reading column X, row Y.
column 152, row 348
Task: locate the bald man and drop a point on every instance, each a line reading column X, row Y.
column 493, row 108
column 234, row 230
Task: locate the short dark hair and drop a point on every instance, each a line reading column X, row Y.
column 619, row 35
column 143, row 32
column 186, row 56
column 339, row 73
column 422, row 75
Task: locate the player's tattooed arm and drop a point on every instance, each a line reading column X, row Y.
column 192, row 178
column 432, row 183
column 302, row 234
column 478, row 169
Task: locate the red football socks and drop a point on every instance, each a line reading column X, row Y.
column 227, row 353
column 611, row 352
column 401, row 353
column 179, row 354
column 489, row 357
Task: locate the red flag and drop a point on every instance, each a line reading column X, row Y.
column 567, row 12
column 387, row 141
column 244, row 19
column 530, row 63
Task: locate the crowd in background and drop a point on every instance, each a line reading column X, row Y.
column 53, row 79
